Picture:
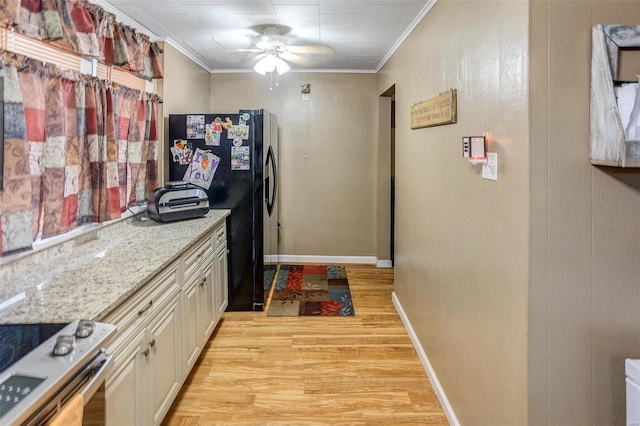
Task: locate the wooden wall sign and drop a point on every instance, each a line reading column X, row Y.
column 442, row 109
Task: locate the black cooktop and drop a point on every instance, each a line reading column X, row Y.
column 17, row 340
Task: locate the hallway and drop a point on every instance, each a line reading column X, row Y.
column 308, row 370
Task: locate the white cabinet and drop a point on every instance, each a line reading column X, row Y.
column 190, row 343
column 198, row 304
column 148, row 373
column 164, row 366
column 221, row 287
column 124, row 390
column 162, row 330
column 209, row 319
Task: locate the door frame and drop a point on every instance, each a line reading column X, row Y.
column 386, row 158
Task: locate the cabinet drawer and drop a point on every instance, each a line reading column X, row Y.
column 201, row 251
column 147, row 301
column 220, row 236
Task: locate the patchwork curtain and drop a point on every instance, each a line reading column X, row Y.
column 151, row 136
column 79, row 26
column 76, row 150
column 133, row 42
column 104, row 24
column 15, row 197
column 30, row 22
column 40, row 19
column 89, row 30
column 9, row 11
column 32, row 85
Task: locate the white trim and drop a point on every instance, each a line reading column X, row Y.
column 125, row 19
column 271, row 258
column 384, row 264
column 437, row 387
column 187, row 53
column 293, row 70
column 286, row 258
column 410, row 28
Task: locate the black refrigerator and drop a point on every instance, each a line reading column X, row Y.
column 233, row 157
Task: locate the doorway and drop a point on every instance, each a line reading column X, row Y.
column 386, row 177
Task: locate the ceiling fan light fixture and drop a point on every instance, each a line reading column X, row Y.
column 266, row 64
column 270, row 63
column 282, row 66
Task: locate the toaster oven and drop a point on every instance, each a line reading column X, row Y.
column 178, row 200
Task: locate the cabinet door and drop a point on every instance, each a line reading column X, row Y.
column 165, row 359
column 192, row 338
column 124, row 388
column 207, row 303
column 221, row 284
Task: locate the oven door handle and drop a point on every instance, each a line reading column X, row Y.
column 98, row 378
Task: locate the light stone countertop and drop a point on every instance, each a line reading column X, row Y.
column 91, row 275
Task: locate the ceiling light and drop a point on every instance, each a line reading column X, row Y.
column 270, row 63
column 265, row 65
column 282, row 66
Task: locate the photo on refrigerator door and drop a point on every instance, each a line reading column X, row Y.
column 240, row 158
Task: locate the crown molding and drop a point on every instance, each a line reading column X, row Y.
column 125, row 19
column 427, row 7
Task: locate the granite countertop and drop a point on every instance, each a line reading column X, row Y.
column 91, row 275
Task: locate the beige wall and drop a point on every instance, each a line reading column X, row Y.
column 184, row 89
column 327, row 156
column 584, row 293
column 462, row 242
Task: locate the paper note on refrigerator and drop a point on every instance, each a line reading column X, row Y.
column 202, row 169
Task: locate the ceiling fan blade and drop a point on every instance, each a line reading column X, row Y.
column 245, row 50
column 244, row 53
column 311, row 50
column 297, row 59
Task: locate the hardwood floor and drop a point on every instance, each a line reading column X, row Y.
column 359, row 370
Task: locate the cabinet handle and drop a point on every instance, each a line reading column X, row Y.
column 152, row 343
column 146, row 352
column 146, row 308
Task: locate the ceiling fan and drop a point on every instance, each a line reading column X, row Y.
column 275, row 51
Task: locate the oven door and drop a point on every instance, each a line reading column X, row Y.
column 80, row 400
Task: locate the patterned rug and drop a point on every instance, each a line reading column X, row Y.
column 311, row 290
column 269, row 273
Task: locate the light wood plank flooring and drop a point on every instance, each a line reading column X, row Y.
column 359, row 370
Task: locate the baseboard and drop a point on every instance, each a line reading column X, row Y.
column 271, row 258
column 284, row 258
column 437, row 388
column 384, row 264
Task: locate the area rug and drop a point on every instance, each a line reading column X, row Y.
column 269, row 273
column 311, row 290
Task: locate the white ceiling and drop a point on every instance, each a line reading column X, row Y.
column 361, row 34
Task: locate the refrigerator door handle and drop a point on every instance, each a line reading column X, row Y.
column 271, row 158
column 267, row 198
